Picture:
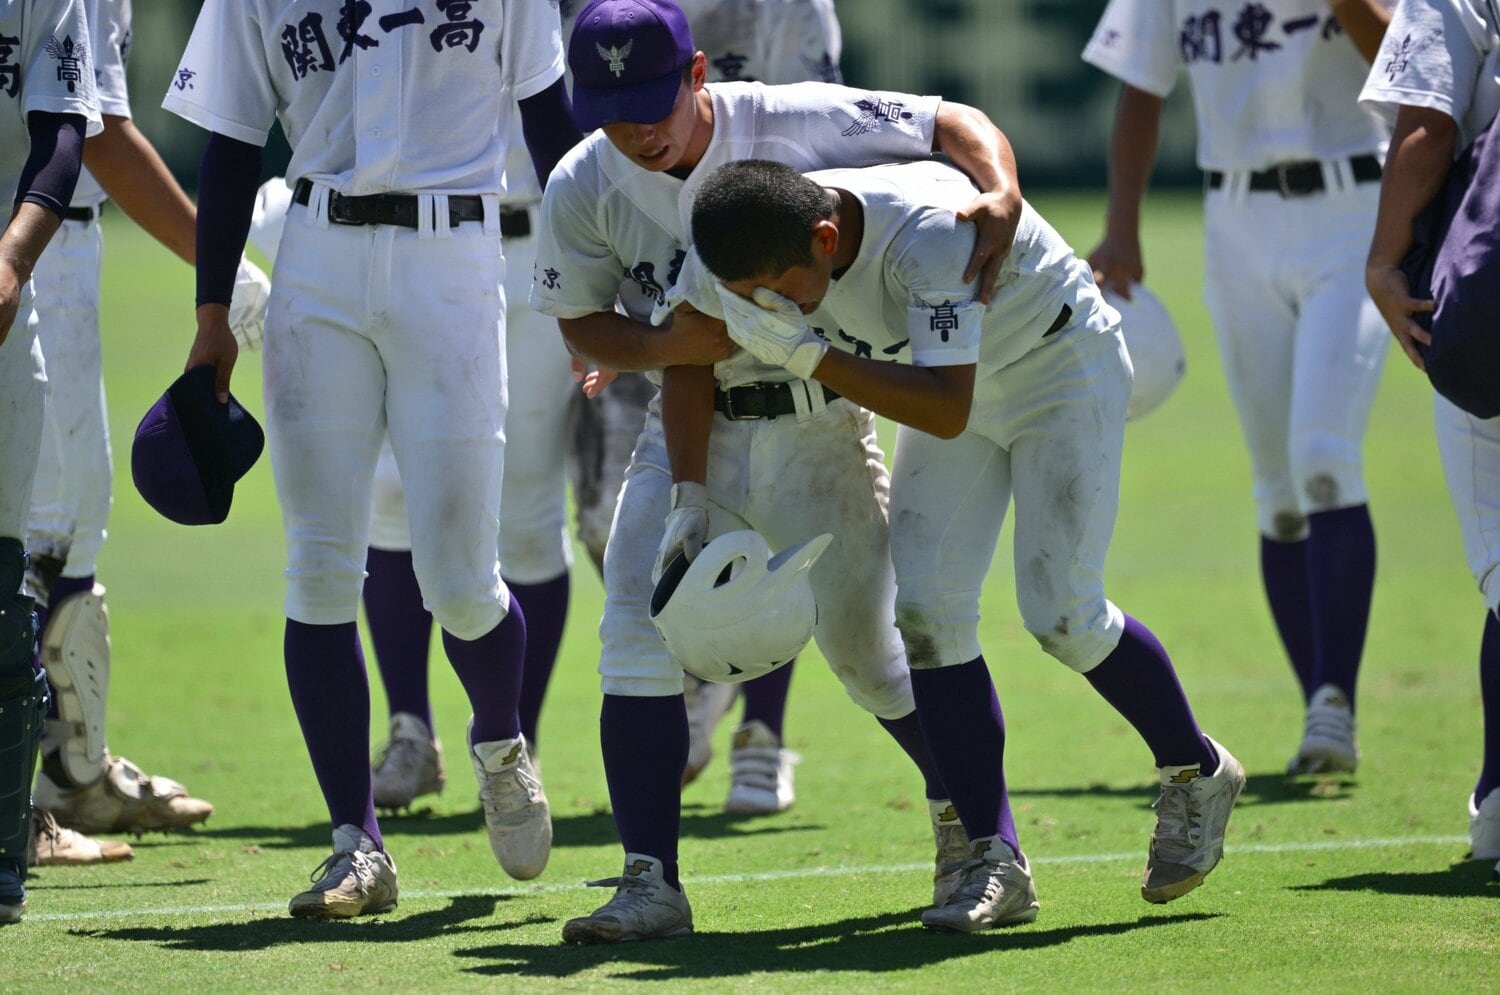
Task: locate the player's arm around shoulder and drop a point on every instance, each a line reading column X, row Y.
column 973, row 143
column 932, row 399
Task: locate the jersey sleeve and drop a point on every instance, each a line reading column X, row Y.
column 1427, row 60
column 926, row 262
column 110, row 47
column 532, row 51
column 1136, row 42
column 831, row 125
column 577, row 272
column 223, row 82
column 803, row 42
column 59, row 73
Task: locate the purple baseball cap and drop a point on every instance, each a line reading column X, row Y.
column 626, row 57
column 189, row 450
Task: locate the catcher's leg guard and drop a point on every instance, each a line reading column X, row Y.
column 75, row 653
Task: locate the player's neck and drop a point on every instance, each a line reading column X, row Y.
column 850, row 219
column 703, row 133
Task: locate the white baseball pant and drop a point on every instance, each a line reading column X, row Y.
column 1046, row 430
column 1470, row 451
column 75, row 473
column 1302, row 344
column 790, row 480
column 23, row 395
column 383, row 329
column 534, row 543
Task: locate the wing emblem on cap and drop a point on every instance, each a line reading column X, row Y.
column 615, row 56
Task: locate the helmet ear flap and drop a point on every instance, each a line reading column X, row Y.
column 667, row 585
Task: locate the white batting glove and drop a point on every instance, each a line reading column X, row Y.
column 687, row 526
column 773, row 330
column 247, row 307
column 695, row 285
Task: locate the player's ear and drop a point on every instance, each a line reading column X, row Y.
column 825, row 237
column 700, row 71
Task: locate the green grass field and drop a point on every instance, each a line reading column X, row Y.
column 1331, row 886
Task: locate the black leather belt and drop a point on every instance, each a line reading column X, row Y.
column 515, row 222
column 389, row 208
column 1298, row 179
column 81, row 213
column 760, row 400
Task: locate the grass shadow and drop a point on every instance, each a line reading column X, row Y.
column 891, row 941
column 1464, row 879
column 38, row 882
column 1260, row 789
column 458, row 916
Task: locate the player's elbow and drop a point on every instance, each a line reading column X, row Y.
column 947, row 424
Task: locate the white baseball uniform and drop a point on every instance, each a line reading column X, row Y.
column 1445, row 55
column 1046, row 425
column 382, row 328
column 45, row 65
column 613, row 230
column 1274, row 83
column 71, row 500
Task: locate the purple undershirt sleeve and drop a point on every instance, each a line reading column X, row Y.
column 547, row 124
column 228, row 178
column 51, row 170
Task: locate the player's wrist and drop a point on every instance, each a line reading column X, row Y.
column 689, row 494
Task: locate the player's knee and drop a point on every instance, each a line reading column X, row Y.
column 1326, row 468
column 324, row 591
column 465, row 615
column 1286, row 526
column 1077, row 634
column 1489, row 584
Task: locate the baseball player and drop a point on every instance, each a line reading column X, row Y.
column 1023, row 397
column 614, row 227
column 82, row 784
column 1437, row 81
column 1292, row 168
column 387, row 317
column 48, row 105
column 774, row 41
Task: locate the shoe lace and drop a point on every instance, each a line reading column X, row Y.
column 1179, row 817
column 332, row 869
column 632, row 893
column 47, row 826
column 982, row 882
column 400, row 754
column 497, row 792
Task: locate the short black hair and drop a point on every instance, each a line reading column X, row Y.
column 754, row 218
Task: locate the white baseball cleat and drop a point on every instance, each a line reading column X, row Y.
column 760, row 772
column 124, row 800
column 1192, row 813
column 1328, row 745
column 1484, row 827
column 994, row 889
column 644, row 907
column 953, row 850
column 707, row 703
column 52, row 845
column 516, row 813
column 356, row 879
column 409, row 765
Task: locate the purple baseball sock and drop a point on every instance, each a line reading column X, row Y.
column 490, row 669
column 1138, row 680
column 400, row 630
column 765, row 698
column 907, row 732
column 1283, row 571
column 645, row 743
column 1341, row 578
column 1489, row 693
column 325, row 671
column 546, row 607
column 62, row 587
column 965, row 733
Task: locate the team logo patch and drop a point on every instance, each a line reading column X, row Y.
column 615, row 56
column 1399, row 53
column 637, row 867
column 1186, row 776
column 873, row 111
column 71, row 57
column 184, row 79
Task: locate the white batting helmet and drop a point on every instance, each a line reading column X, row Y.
column 1155, row 348
column 736, row 612
column 268, row 218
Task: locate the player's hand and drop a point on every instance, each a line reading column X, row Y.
column 996, row 216
column 694, row 339
column 774, row 330
column 1391, row 293
column 247, row 308
column 686, row 529
column 214, row 346
column 1117, row 263
column 10, row 297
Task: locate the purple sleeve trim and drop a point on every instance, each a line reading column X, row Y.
column 228, row 178
column 547, row 124
column 51, row 170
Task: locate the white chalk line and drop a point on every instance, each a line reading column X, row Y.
column 710, row 880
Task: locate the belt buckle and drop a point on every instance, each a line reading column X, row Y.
column 729, row 411
column 1281, row 182
column 336, row 212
